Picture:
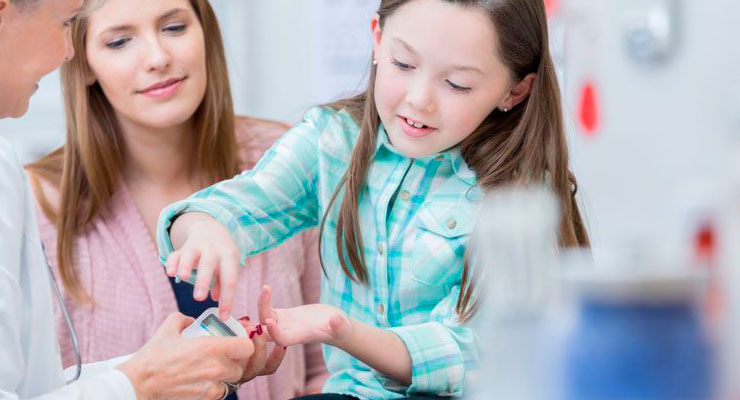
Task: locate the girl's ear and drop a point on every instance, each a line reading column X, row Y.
column 519, row 92
column 375, row 28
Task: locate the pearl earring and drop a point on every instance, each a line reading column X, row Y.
column 505, row 109
column 375, row 62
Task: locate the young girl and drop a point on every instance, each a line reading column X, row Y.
column 462, row 98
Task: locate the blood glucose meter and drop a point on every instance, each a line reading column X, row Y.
column 209, row 324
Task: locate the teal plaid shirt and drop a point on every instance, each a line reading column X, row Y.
column 416, row 217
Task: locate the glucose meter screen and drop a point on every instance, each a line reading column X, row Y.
column 216, row 327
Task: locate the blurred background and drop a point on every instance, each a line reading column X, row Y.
column 651, row 99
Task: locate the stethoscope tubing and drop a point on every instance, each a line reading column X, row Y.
column 68, row 320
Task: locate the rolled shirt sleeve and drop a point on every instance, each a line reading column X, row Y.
column 441, row 351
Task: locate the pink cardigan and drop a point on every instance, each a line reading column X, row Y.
column 117, row 262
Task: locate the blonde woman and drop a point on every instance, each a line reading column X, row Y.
column 150, row 121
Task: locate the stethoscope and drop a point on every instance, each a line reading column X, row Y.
column 68, row 320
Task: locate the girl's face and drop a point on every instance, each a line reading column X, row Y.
column 34, row 41
column 149, row 58
column 437, row 67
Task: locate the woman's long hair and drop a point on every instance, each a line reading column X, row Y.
column 86, row 169
column 526, row 144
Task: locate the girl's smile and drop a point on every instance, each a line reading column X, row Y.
column 415, row 128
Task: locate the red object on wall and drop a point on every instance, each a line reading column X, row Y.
column 551, row 6
column 705, row 244
column 588, row 109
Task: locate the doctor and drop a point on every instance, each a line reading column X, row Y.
column 35, row 40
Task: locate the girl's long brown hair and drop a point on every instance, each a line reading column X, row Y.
column 526, row 144
column 87, row 167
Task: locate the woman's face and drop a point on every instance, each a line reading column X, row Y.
column 34, row 41
column 149, row 58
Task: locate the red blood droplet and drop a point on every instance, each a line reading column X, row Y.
column 588, row 109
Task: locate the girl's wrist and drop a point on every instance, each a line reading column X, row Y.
column 345, row 335
column 182, row 225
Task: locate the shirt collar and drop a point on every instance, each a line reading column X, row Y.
column 453, row 155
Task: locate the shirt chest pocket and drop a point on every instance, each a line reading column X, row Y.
column 443, row 229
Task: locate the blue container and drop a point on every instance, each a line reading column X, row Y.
column 638, row 350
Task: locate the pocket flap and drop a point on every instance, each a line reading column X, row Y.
column 448, row 218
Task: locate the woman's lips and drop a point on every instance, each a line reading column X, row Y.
column 163, row 90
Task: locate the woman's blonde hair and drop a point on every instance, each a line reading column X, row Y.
column 526, row 144
column 87, row 168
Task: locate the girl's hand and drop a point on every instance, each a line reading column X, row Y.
column 261, row 363
column 201, row 242
column 314, row 323
column 170, row 366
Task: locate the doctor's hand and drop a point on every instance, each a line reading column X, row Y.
column 262, row 362
column 170, row 366
column 202, row 243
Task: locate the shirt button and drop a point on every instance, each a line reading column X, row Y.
column 380, row 249
column 381, row 309
column 451, row 223
column 405, row 195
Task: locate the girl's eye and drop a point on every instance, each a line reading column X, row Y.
column 458, row 88
column 117, row 43
column 401, row 66
column 175, row 28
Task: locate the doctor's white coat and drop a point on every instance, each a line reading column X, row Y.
column 30, row 365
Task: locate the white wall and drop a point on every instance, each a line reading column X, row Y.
column 304, row 53
column 668, row 129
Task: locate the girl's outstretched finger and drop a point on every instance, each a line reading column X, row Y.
column 265, row 304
